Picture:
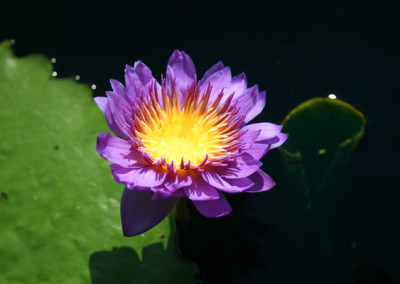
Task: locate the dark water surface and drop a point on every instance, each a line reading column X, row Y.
column 293, row 51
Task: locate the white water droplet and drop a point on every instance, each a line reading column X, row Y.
column 12, row 42
column 53, row 60
column 77, row 77
column 93, row 86
column 332, row 96
column 54, row 74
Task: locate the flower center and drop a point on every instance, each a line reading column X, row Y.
column 190, row 135
column 180, row 136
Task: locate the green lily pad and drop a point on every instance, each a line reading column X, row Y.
column 59, row 205
column 323, row 135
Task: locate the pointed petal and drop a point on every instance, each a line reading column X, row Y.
column 200, row 190
column 140, row 213
column 121, row 112
column 104, row 105
column 238, row 86
column 219, row 80
column 214, row 208
column 243, row 166
column 178, row 180
column 122, row 175
column 161, row 193
column 148, row 176
column 262, row 182
column 227, row 185
column 215, row 68
column 138, row 80
column 219, row 77
column 257, row 150
column 119, row 151
column 181, row 69
column 267, row 130
column 257, row 107
column 269, row 137
column 249, row 137
column 278, row 140
column 118, row 88
column 251, row 103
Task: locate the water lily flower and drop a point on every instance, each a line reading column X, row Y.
column 184, row 138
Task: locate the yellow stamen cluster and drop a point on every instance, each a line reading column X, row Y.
column 190, row 135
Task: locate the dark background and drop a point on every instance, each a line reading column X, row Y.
column 293, row 50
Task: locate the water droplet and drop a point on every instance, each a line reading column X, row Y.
column 54, row 74
column 93, row 86
column 53, row 60
column 332, row 96
column 12, row 42
column 77, row 77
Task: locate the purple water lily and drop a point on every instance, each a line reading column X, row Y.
column 184, row 137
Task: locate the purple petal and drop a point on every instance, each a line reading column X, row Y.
column 251, row 103
column 258, row 106
column 122, row 175
column 243, row 166
column 178, row 180
column 227, row 185
column 262, row 182
column 214, row 208
column 104, row 105
column 215, row 68
column 269, row 137
column 200, row 190
column 161, row 193
column 118, row 88
column 249, row 137
column 219, row 80
column 278, row 140
column 149, row 176
column 181, row 69
column 237, row 86
column 119, row 151
column 257, row 150
column 267, row 130
column 138, row 80
column 140, row 213
column 121, row 112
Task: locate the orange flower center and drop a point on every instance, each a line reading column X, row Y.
column 189, row 135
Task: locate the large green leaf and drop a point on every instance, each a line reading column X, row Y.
column 59, row 207
column 323, row 135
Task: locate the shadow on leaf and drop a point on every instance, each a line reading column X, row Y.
column 158, row 265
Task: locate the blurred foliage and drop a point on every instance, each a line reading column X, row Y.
column 59, row 206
